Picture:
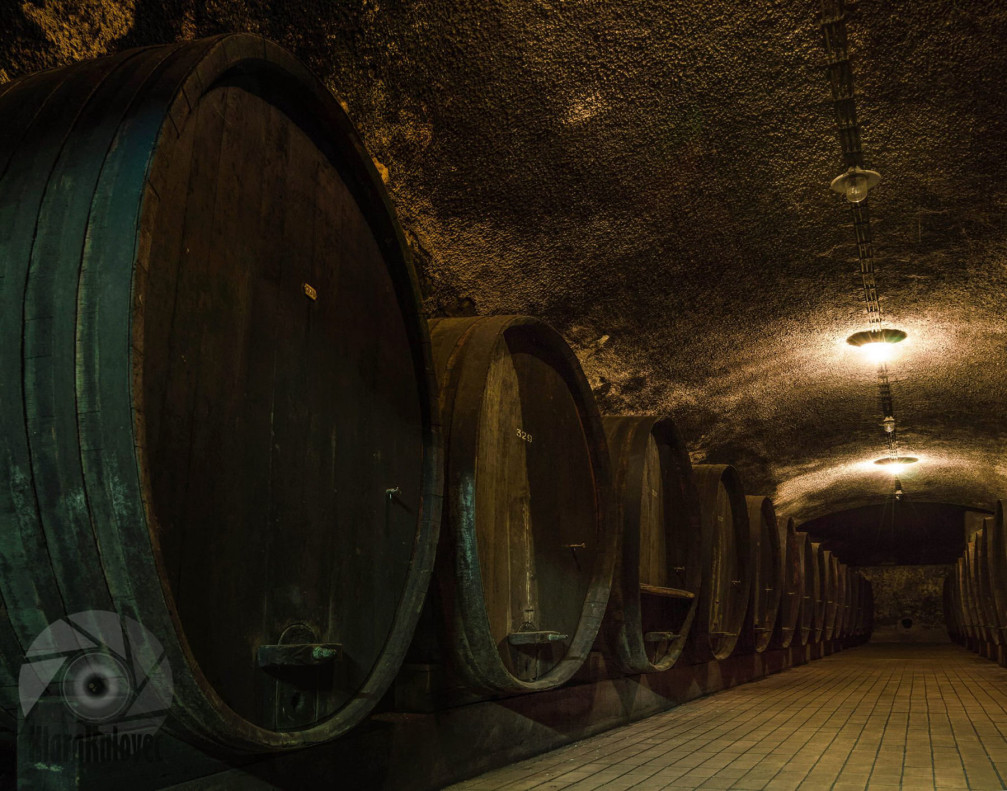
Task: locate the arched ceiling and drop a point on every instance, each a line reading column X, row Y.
column 652, row 179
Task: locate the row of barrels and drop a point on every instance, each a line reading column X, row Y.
column 975, row 592
column 224, row 418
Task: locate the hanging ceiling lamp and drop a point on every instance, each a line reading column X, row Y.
column 878, row 345
column 855, row 183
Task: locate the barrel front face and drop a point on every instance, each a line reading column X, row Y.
column 991, row 618
column 658, row 575
column 829, row 570
column 972, row 595
column 997, row 562
column 788, row 624
column 727, row 585
column 528, row 475
column 768, row 572
column 842, row 596
column 821, row 596
column 965, row 607
column 239, row 425
column 809, row 598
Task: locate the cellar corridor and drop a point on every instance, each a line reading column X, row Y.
column 880, row 717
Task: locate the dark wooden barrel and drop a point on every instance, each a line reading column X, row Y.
column 223, row 423
column 975, row 619
column 787, row 627
column 843, row 603
column 658, row 573
column 997, row 559
column 968, row 619
column 728, row 568
column 987, row 602
column 828, row 566
column 529, row 540
column 809, row 599
column 821, row 599
column 767, row 576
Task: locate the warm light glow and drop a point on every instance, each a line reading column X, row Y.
column 856, row 188
column 878, row 352
column 894, row 465
column 877, row 346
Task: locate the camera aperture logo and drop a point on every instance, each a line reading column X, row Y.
column 109, row 673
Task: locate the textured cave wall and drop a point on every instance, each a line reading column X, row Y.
column 908, row 603
column 651, row 178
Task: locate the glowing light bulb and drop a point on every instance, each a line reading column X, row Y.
column 856, row 188
column 878, row 351
column 878, row 345
column 895, row 465
column 855, row 183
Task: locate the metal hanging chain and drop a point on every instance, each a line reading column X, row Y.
column 844, row 103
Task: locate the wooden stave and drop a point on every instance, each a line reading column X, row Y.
column 469, row 649
column 704, row 645
column 821, row 600
column 199, row 712
column 42, row 108
column 978, row 631
column 968, row 627
column 997, row 557
column 831, row 589
column 622, row 631
column 768, row 568
column 842, row 627
column 788, row 621
column 992, row 620
column 811, row 590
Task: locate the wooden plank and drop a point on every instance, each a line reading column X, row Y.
column 50, row 334
column 27, row 581
column 670, row 593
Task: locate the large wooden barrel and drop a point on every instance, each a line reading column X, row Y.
column 997, row 560
column 659, row 570
column 987, row 602
column 529, row 540
column 728, row 567
column 828, row 565
column 222, row 418
column 809, row 599
column 969, row 633
column 975, row 616
column 822, row 597
column 767, row 574
column 787, row 627
column 868, row 609
column 843, row 600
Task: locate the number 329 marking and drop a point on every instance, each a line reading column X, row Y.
column 524, row 435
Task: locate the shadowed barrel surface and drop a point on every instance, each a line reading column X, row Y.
column 728, row 566
column 529, row 544
column 659, row 571
column 228, row 394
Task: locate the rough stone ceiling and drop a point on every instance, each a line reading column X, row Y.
column 652, row 178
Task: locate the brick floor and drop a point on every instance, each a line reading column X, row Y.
column 877, row 717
